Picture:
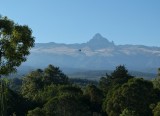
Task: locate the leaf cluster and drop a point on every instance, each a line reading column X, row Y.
column 15, row 43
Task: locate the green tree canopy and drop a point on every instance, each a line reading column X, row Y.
column 14, row 102
column 117, row 78
column 156, row 110
column 54, row 75
column 156, row 81
column 31, row 84
column 136, row 95
column 38, row 80
column 127, row 112
column 66, row 105
column 36, row 112
column 95, row 96
column 15, row 43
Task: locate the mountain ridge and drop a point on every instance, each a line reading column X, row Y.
column 97, row 53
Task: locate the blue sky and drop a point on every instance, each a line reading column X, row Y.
column 76, row 21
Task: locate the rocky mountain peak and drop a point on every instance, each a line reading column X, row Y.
column 98, row 38
column 99, row 41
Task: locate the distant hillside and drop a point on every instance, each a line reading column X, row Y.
column 97, row 74
column 96, row 54
column 83, row 73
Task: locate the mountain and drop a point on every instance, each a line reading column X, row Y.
column 97, row 54
column 98, row 42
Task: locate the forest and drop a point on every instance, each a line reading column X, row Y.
column 49, row 92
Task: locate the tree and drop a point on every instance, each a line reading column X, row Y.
column 127, row 112
column 66, row 105
column 117, row 78
column 15, row 84
column 61, row 100
column 70, row 90
column 36, row 112
column 95, row 96
column 156, row 81
column 14, row 103
column 54, row 75
column 15, row 43
column 39, row 86
column 37, row 80
column 156, row 110
column 136, row 95
column 32, row 83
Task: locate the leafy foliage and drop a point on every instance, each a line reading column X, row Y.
column 156, row 110
column 14, row 102
column 134, row 95
column 15, row 84
column 39, row 79
column 118, row 77
column 95, row 96
column 36, row 112
column 49, row 92
column 15, row 43
column 127, row 112
column 66, row 105
column 156, row 81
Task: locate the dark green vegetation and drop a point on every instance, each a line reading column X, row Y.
column 50, row 92
column 15, row 43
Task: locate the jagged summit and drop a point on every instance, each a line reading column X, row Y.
column 98, row 36
column 98, row 41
